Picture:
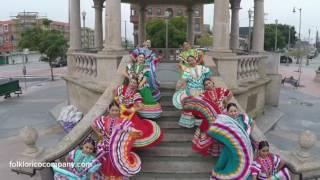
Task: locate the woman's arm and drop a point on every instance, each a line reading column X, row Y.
column 144, row 80
column 97, row 131
column 281, row 165
column 125, row 73
column 181, row 84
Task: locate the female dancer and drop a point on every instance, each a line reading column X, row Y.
column 268, row 166
column 191, row 85
column 130, row 101
column 151, row 109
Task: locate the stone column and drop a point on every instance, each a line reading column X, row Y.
column 75, row 25
column 221, row 26
column 113, row 25
column 258, row 26
column 190, row 30
column 234, row 41
column 98, row 6
column 141, row 28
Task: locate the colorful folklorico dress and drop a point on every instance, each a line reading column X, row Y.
column 236, row 141
column 268, row 167
column 194, row 77
column 152, row 133
column 191, row 52
column 151, row 109
column 115, row 148
column 151, row 61
column 83, row 166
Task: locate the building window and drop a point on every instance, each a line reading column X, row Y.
column 7, row 39
column 133, row 12
column 5, row 28
column 149, row 11
column 197, row 27
column 196, row 13
column 159, row 12
column 179, row 12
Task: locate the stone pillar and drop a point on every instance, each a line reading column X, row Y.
column 234, row 41
column 221, row 26
column 190, row 30
column 75, row 25
column 113, row 25
column 98, row 38
column 141, row 25
column 258, row 26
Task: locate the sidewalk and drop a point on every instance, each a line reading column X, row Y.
column 310, row 87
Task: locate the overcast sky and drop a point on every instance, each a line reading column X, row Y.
column 274, row 9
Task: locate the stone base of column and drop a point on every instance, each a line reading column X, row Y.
column 109, row 51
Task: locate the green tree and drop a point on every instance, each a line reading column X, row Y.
column 53, row 45
column 282, row 36
column 205, row 40
column 30, row 39
column 156, row 32
column 46, row 22
column 50, row 43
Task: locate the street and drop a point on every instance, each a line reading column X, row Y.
column 300, row 106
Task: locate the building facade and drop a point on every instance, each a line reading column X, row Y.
column 11, row 30
column 158, row 11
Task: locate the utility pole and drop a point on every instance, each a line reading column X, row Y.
column 250, row 12
column 289, row 38
column 276, row 37
column 125, row 33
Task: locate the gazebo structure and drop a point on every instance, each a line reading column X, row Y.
column 91, row 78
column 224, row 39
column 98, row 68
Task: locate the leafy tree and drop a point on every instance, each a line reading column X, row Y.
column 53, row 45
column 205, row 40
column 46, row 22
column 50, row 43
column 156, row 32
column 30, row 39
column 282, row 36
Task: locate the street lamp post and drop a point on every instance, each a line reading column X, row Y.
column 84, row 28
column 276, row 36
column 250, row 12
column 24, row 68
column 299, row 45
column 167, row 15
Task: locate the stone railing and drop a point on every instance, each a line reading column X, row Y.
column 248, row 68
column 239, row 69
column 82, row 64
column 79, row 132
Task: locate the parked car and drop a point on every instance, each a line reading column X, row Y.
column 59, row 62
column 285, row 59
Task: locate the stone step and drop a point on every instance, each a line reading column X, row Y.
column 269, row 118
column 169, row 149
column 169, row 123
column 168, row 85
column 177, row 136
column 171, row 176
column 168, row 108
column 177, row 164
column 174, row 113
column 166, row 103
column 175, row 119
column 166, row 98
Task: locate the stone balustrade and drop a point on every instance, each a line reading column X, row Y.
column 83, row 64
column 248, row 68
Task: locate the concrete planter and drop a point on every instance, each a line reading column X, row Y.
column 317, row 78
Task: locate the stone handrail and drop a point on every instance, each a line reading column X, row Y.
column 82, row 64
column 248, row 68
column 83, row 129
column 240, row 69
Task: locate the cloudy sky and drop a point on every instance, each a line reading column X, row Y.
column 274, row 9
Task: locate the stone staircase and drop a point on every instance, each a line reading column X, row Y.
column 173, row 158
